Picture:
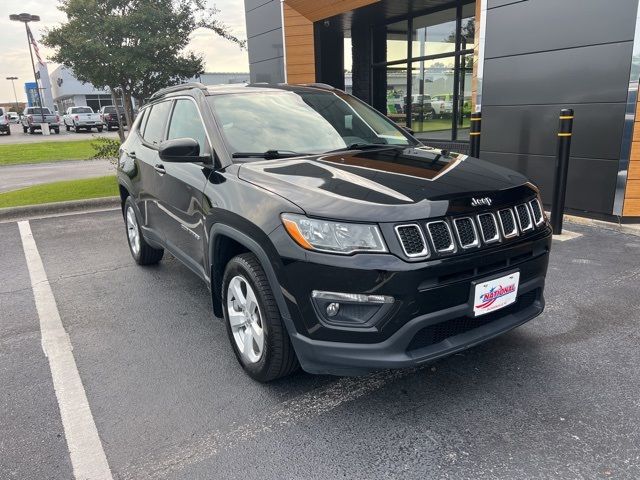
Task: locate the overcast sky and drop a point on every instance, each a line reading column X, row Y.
column 220, row 55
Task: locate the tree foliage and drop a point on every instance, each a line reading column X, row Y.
column 134, row 47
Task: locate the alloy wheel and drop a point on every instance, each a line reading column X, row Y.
column 132, row 231
column 245, row 319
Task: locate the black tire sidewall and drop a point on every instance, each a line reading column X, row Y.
column 260, row 369
column 129, row 204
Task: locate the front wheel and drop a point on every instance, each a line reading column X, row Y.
column 25, row 129
column 253, row 321
column 99, row 129
column 141, row 251
column 67, row 127
column 76, row 128
column 57, row 130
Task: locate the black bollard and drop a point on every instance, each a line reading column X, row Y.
column 474, row 134
column 562, row 169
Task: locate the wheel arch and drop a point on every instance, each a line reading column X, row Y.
column 227, row 242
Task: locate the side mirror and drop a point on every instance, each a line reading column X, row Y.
column 180, row 150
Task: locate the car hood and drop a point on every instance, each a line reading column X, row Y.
column 386, row 184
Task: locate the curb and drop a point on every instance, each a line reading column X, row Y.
column 30, row 211
column 629, row 229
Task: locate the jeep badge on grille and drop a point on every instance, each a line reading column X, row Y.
column 477, row 202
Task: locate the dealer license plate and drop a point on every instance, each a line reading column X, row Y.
column 492, row 295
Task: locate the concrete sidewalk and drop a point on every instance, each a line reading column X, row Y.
column 13, row 177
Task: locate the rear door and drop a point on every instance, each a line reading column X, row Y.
column 152, row 133
column 180, row 196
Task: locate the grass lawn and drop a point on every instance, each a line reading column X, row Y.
column 17, row 153
column 61, row 192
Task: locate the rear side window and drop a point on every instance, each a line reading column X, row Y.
column 186, row 123
column 155, row 123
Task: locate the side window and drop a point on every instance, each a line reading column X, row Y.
column 157, row 119
column 186, row 123
column 141, row 120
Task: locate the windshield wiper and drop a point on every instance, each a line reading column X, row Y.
column 364, row 146
column 269, row 154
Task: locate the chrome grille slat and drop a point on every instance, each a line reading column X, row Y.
column 441, row 236
column 412, row 240
column 466, row 232
column 508, row 223
column 524, row 217
column 488, row 228
column 536, row 209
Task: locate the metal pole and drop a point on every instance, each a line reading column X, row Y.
column 15, row 95
column 562, row 169
column 474, row 134
column 35, row 77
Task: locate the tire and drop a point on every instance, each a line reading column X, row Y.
column 141, row 251
column 57, row 130
column 25, row 129
column 31, row 130
column 99, row 129
column 76, row 128
column 67, row 127
column 9, row 130
column 277, row 358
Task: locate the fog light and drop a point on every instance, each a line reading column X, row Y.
column 350, row 309
column 332, row 309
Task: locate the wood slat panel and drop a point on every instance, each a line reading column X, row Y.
column 631, row 207
column 318, row 9
column 301, row 78
column 304, row 68
column 636, row 130
column 635, row 152
column 634, row 171
column 299, row 47
column 299, row 31
column 633, row 189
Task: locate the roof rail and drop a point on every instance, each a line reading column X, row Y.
column 324, row 86
column 177, row 88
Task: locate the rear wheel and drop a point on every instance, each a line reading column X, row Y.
column 99, row 129
column 25, row 129
column 76, row 128
column 253, row 321
column 67, row 127
column 141, row 251
column 31, row 130
column 8, row 129
column 57, row 130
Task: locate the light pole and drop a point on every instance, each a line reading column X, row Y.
column 26, row 18
column 15, row 95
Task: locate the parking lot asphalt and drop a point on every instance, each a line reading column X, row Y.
column 18, row 136
column 556, row 398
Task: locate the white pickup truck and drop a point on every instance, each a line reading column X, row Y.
column 80, row 118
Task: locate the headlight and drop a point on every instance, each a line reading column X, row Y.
column 333, row 237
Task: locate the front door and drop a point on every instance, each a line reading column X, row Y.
column 180, row 194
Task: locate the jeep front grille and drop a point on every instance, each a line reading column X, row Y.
column 466, row 232
column 508, row 223
column 524, row 217
column 536, row 209
column 441, row 237
column 488, row 227
column 412, row 240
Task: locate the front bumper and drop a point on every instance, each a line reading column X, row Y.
column 432, row 312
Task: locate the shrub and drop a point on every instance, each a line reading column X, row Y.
column 106, row 148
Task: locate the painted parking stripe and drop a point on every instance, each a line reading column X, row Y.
column 88, row 459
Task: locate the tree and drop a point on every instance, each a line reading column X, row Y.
column 132, row 47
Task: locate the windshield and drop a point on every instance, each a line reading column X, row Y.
column 304, row 121
column 110, row 110
column 82, row 110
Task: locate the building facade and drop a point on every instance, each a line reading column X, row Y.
column 428, row 64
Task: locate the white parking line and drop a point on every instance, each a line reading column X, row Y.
column 87, row 455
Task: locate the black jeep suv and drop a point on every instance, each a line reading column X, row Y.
column 329, row 237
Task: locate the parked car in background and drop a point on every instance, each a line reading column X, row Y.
column 82, row 118
column 14, row 117
column 32, row 117
column 109, row 117
column 442, row 105
column 5, row 121
column 330, row 237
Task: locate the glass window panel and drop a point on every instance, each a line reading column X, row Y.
column 186, row 123
column 434, row 34
column 396, row 76
column 432, row 98
column 464, row 96
column 154, row 129
column 468, row 27
column 397, row 45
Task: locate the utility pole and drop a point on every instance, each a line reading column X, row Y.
column 26, row 18
column 15, row 95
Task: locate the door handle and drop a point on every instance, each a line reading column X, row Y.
column 158, row 167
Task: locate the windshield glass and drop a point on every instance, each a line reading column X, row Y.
column 303, row 121
column 82, row 110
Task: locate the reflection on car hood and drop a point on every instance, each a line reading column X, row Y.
column 387, row 184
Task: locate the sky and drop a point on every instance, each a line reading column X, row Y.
column 220, row 55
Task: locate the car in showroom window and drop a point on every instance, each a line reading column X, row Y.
column 329, row 237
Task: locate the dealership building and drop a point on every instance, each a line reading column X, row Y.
column 428, row 64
